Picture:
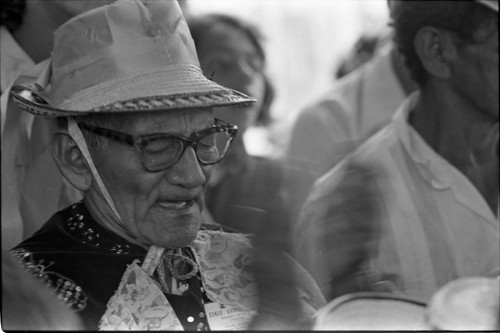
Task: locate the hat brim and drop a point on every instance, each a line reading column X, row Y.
column 28, row 100
column 169, row 88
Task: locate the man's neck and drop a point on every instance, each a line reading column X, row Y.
column 463, row 135
column 402, row 73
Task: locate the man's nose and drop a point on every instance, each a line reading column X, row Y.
column 187, row 172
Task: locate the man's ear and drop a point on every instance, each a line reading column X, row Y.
column 436, row 50
column 70, row 161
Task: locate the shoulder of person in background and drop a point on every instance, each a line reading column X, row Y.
column 339, row 228
column 363, row 50
column 288, row 295
column 338, row 121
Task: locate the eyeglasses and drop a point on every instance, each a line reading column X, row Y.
column 160, row 151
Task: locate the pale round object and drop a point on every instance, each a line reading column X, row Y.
column 470, row 303
column 371, row 311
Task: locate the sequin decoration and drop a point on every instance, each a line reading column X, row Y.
column 77, row 224
column 66, row 289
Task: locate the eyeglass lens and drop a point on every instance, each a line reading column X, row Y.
column 162, row 152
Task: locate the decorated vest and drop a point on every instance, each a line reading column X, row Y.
column 222, row 260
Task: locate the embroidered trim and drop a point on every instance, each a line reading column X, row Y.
column 78, row 227
column 66, row 289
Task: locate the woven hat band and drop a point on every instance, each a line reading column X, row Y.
column 171, row 80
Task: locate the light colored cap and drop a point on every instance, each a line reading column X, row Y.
column 132, row 55
column 372, row 311
column 468, row 303
column 471, row 303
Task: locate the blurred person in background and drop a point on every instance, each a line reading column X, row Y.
column 352, row 110
column 32, row 187
column 362, row 52
column 244, row 192
column 433, row 216
column 137, row 135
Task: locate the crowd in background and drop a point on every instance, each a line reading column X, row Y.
column 379, row 193
column 288, row 46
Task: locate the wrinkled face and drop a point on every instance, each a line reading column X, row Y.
column 229, row 55
column 476, row 73
column 161, row 208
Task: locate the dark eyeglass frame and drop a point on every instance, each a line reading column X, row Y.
column 138, row 141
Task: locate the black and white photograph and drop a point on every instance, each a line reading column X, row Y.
column 248, row 165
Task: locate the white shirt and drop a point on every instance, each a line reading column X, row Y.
column 436, row 226
column 335, row 125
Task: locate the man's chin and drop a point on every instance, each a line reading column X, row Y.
column 172, row 230
column 180, row 236
column 183, row 241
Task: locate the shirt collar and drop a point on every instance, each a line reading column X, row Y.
column 434, row 168
column 82, row 226
column 437, row 171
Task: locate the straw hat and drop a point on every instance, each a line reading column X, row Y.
column 128, row 56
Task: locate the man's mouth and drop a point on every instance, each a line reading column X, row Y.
column 177, row 205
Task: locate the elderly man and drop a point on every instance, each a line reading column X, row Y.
column 436, row 168
column 138, row 137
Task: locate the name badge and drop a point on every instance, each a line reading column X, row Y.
column 227, row 317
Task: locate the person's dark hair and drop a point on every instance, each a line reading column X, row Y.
column 11, row 13
column 264, row 118
column 464, row 18
column 200, row 26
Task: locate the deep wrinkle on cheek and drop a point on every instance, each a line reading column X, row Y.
column 128, row 182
